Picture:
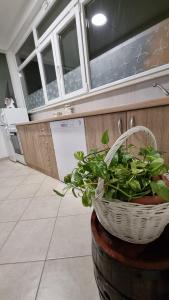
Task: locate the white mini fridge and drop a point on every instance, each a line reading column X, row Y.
column 68, row 137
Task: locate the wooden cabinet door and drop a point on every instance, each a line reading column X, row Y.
column 29, row 135
column 32, row 139
column 157, row 120
column 96, row 125
column 47, row 153
column 26, row 134
column 37, row 144
column 22, row 131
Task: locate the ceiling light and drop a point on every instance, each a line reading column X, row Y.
column 99, row 20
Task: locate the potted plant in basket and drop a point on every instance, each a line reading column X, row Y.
column 127, row 190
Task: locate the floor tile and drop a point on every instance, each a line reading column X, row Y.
column 12, row 210
column 7, row 172
column 72, row 206
column 5, row 229
column 28, row 242
column 46, row 189
column 24, row 171
column 12, row 181
column 5, row 191
column 9, row 168
column 24, row 191
column 19, row 281
column 42, row 207
column 34, row 178
column 68, row 279
column 4, row 162
column 71, row 237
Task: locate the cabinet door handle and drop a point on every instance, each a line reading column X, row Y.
column 132, row 122
column 120, row 126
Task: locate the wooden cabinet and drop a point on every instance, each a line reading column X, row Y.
column 157, row 120
column 37, row 144
column 96, row 125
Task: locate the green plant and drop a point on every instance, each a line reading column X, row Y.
column 126, row 178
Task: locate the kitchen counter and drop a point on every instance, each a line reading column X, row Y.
column 118, row 108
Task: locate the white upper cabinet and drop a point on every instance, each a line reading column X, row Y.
column 76, row 47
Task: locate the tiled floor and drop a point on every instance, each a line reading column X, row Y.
column 45, row 241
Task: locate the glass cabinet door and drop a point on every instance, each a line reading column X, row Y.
column 68, row 43
column 52, row 14
column 32, row 85
column 25, row 50
column 121, row 41
column 49, row 73
column 70, row 53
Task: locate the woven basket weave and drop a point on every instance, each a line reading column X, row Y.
column 134, row 223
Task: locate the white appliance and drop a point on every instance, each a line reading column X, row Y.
column 13, row 116
column 68, row 137
column 9, row 117
column 8, row 143
column 3, row 146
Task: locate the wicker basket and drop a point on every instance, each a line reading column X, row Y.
column 134, row 223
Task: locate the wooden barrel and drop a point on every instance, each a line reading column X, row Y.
column 128, row 271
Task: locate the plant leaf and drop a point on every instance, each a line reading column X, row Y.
column 73, row 191
column 105, row 138
column 157, row 166
column 160, row 188
column 87, row 197
column 67, row 178
column 85, row 200
column 58, row 193
column 130, row 146
column 79, row 155
column 135, row 185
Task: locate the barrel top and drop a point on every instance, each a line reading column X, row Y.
column 152, row 256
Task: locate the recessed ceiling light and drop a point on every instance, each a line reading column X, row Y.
column 99, row 20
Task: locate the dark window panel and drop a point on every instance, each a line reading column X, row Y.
column 32, row 85
column 50, row 73
column 31, row 77
column 69, row 48
column 125, row 19
column 48, row 64
column 26, row 49
column 52, row 14
column 70, row 58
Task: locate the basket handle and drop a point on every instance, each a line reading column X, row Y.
column 119, row 142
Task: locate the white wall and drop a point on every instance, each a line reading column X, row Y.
column 3, row 149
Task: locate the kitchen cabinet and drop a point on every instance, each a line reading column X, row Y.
column 37, row 144
column 157, row 120
column 96, row 125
